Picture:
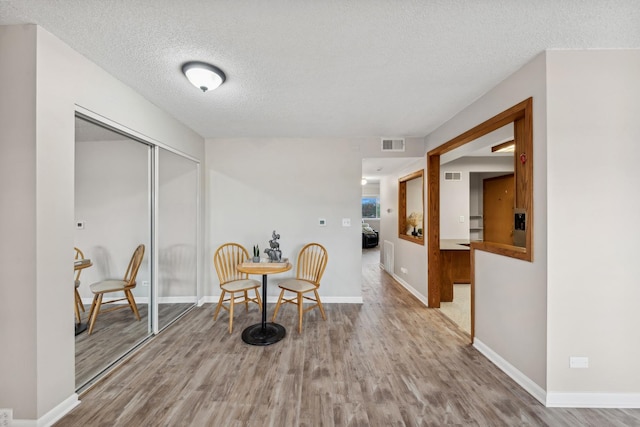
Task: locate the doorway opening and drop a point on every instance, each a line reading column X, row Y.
column 520, row 117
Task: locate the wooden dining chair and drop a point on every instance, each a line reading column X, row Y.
column 78, row 305
column 226, row 260
column 126, row 284
column 310, row 267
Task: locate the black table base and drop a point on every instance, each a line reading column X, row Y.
column 263, row 333
column 80, row 328
column 260, row 334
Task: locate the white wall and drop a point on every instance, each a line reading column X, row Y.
column 593, row 203
column 63, row 79
column 18, row 220
column 510, row 305
column 255, row 186
column 408, row 255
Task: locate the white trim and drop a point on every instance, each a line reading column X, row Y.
column 274, row 299
column 178, row 300
column 108, row 123
column 525, row 382
column 52, row 416
column 411, row 290
column 592, row 400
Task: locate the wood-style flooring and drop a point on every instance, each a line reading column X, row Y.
column 387, row 362
column 115, row 334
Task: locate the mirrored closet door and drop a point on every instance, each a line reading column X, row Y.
column 112, row 218
column 176, row 228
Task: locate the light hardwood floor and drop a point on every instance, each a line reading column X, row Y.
column 115, row 333
column 387, row 362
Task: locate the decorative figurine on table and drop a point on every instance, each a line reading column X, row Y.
column 275, row 255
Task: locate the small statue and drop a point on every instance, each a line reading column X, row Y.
column 275, row 255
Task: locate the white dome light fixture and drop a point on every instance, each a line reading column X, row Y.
column 363, row 181
column 203, row 76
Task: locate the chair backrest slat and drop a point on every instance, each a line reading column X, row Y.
column 312, row 262
column 78, row 255
column 134, row 266
column 226, row 260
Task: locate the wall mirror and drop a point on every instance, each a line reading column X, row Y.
column 411, row 207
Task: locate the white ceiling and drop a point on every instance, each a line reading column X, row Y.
column 332, row 68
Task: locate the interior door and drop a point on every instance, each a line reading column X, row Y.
column 498, row 204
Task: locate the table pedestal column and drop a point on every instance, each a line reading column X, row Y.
column 263, row 333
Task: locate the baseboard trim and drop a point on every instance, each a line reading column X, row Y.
column 274, row 299
column 52, row 416
column 525, row 382
column 411, row 290
column 593, row 400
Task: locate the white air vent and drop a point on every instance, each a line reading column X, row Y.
column 452, row 176
column 392, row 144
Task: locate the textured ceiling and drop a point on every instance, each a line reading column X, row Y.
column 311, row 68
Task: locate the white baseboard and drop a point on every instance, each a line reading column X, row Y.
column 593, row 400
column 412, row 290
column 525, row 382
column 52, row 416
column 274, row 299
column 145, row 300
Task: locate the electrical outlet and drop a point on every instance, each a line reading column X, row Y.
column 578, row 362
column 346, row 222
column 79, row 225
column 404, row 270
column 145, row 283
column 6, row 417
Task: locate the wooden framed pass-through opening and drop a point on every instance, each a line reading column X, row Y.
column 521, row 115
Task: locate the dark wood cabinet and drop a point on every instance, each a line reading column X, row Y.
column 455, row 267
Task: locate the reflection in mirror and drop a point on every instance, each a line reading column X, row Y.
column 112, row 211
column 177, row 235
column 411, row 207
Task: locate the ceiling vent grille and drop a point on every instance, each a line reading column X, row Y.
column 392, row 144
column 452, row 176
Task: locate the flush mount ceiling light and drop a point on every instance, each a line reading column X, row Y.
column 363, row 181
column 203, row 76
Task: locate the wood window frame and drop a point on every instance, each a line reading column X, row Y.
column 521, row 115
column 402, row 207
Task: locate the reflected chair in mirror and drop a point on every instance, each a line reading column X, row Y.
column 310, row 267
column 226, row 260
column 126, row 284
column 78, row 305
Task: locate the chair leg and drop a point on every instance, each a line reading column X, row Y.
column 77, row 311
column 275, row 311
column 258, row 298
column 132, row 303
column 320, row 305
column 246, row 301
column 215, row 314
column 93, row 314
column 79, row 300
column 300, row 311
column 231, row 302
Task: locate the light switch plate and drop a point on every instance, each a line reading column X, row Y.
column 346, row 222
